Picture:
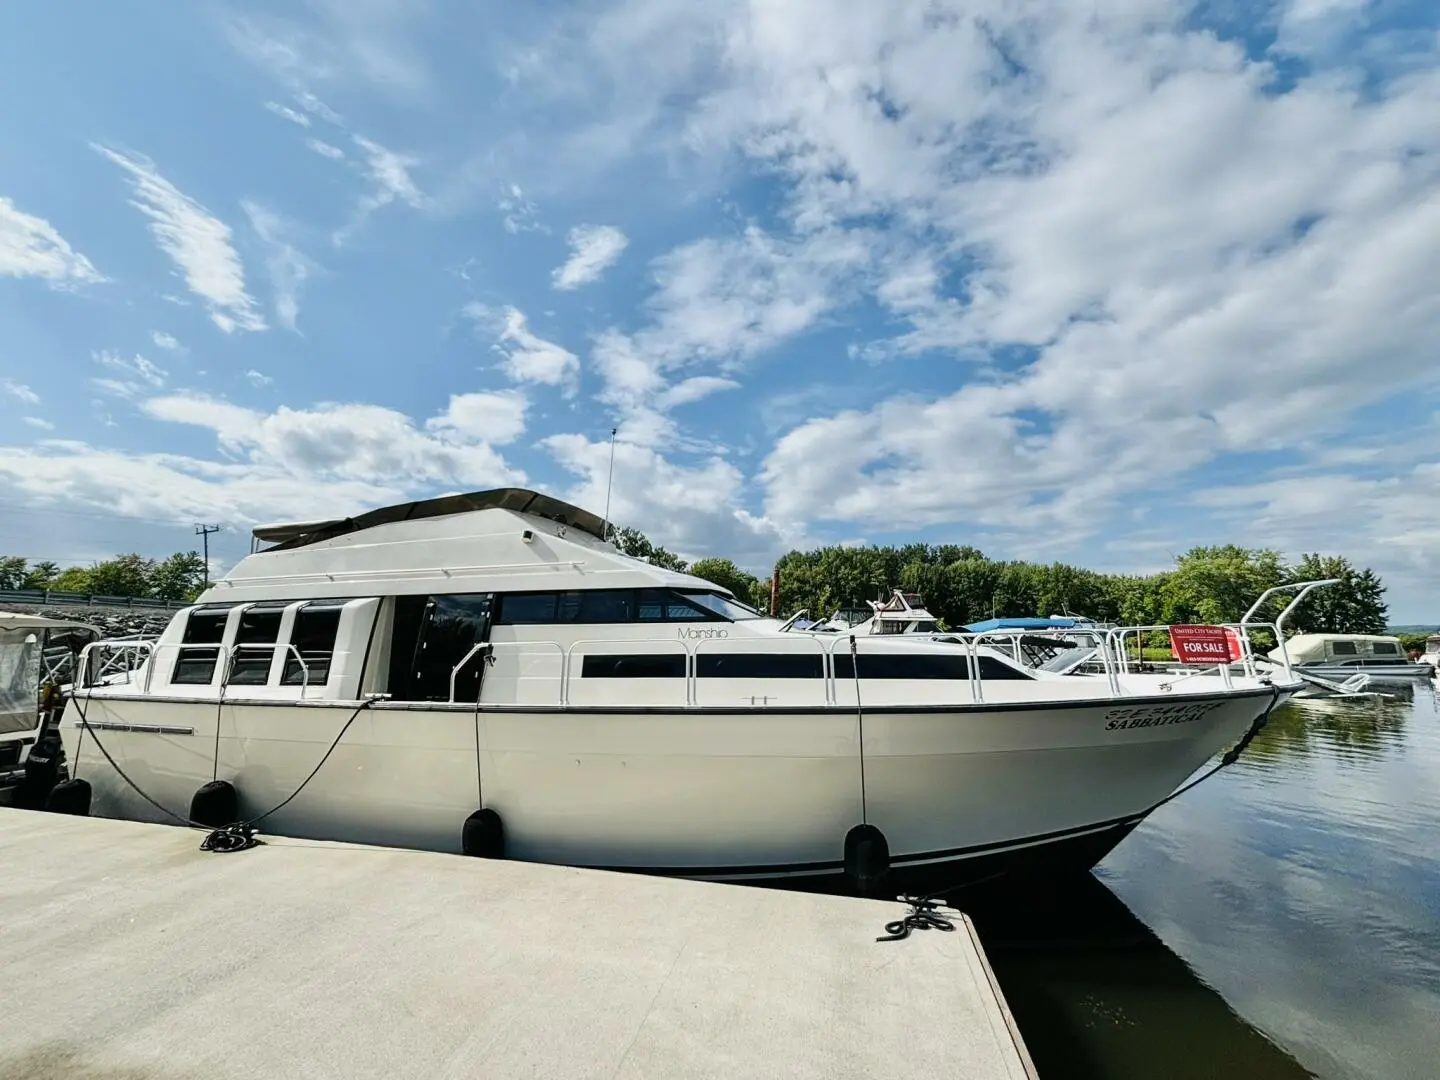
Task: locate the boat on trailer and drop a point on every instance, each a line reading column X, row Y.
column 412, row 674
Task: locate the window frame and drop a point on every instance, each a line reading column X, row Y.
column 216, row 648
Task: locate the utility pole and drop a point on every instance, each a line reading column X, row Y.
column 204, row 531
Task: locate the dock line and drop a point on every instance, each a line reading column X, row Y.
column 239, row 835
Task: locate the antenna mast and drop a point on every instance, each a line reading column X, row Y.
column 609, row 483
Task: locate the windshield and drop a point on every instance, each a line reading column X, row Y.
column 1068, row 660
column 723, row 606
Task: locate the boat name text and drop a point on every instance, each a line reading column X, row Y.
column 1156, row 715
column 695, row 633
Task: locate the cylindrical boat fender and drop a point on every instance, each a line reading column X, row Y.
column 483, row 835
column 216, row 804
column 867, row 861
column 70, row 797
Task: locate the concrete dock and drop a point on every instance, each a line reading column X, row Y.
column 129, row 954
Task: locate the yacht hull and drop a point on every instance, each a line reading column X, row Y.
column 755, row 795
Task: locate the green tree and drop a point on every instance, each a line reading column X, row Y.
column 1218, row 584
column 1354, row 606
column 637, row 545
column 42, row 575
column 179, row 577
column 124, row 575
column 76, row 579
column 727, row 575
column 12, row 572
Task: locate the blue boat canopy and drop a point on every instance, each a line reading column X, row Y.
column 1026, row 624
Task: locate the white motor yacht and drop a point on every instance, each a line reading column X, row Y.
column 400, row 676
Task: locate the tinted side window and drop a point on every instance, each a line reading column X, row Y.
column 259, row 626
column 662, row 605
column 578, row 606
column 1343, row 648
column 917, row 666
column 1386, row 648
column 641, row 666
column 527, row 608
column 313, row 636
column 759, row 666
column 197, row 666
column 923, row 666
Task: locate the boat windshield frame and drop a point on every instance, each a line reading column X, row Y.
column 724, row 606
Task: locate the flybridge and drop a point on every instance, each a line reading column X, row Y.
column 289, row 535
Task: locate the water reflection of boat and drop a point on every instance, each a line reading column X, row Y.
column 1096, row 993
column 1343, row 728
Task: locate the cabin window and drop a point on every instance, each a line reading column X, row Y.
column 1344, row 648
column 580, row 606
column 259, row 626
column 723, row 606
column 662, row 605
column 759, row 666
column 313, row 637
column 638, row 666
column 922, row 666
column 204, row 627
column 452, row 626
column 617, row 606
column 1386, row 648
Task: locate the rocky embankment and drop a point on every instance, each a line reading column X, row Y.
column 111, row 622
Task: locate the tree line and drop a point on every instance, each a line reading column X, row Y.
column 958, row 583
column 961, row 585
column 180, row 576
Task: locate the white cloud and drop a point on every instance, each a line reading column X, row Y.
column 39, row 422
column 593, row 250
column 525, row 356
column 324, row 149
column 137, row 375
column 369, row 43
column 165, row 341
column 342, row 442
column 690, row 509
column 1115, row 214
column 289, row 268
column 287, row 113
column 496, row 417
column 519, row 214
column 389, row 175
column 1390, row 521
column 31, row 247
column 257, row 378
column 315, row 107
column 136, row 367
column 694, row 389
column 197, row 242
column 19, row 390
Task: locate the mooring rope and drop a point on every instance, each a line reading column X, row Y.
column 237, row 836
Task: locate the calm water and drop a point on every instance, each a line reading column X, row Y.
column 1281, row 920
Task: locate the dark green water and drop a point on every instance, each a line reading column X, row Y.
column 1281, row 920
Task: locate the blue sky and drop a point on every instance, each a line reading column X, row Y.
column 1095, row 286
